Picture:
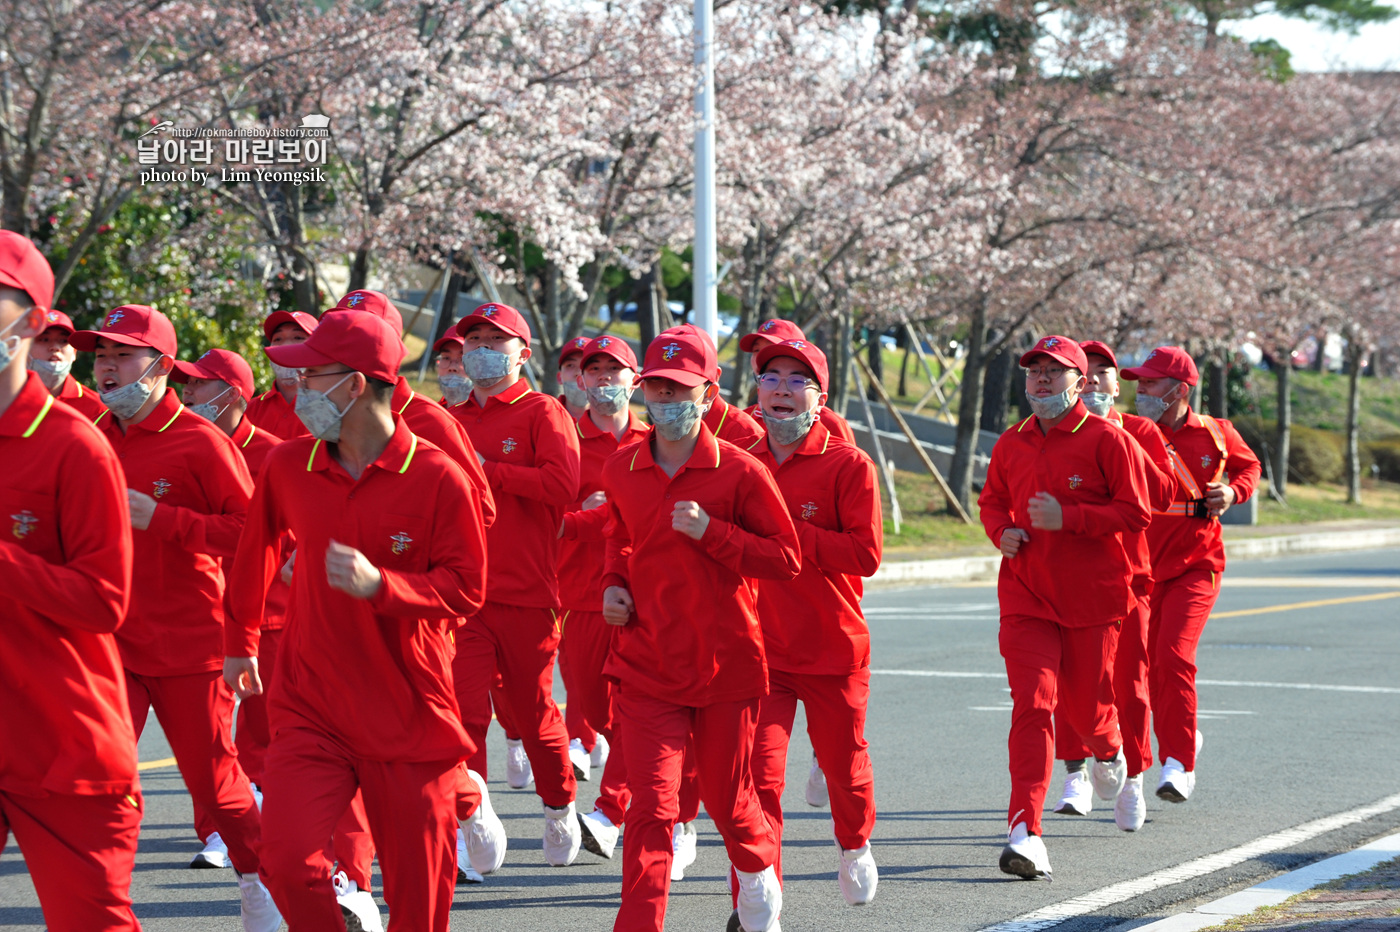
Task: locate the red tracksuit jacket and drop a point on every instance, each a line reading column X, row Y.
column 1081, row 574
column 813, row 624
column 532, row 463
column 271, row 412
column 695, row 639
column 65, row 575
column 1161, row 489
column 1180, row 543
column 374, row 674
column 201, row 486
column 581, row 548
column 430, row 420
column 732, row 424
column 85, row 400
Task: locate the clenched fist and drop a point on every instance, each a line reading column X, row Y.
column 351, row 572
column 617, row 605
column 690, row 519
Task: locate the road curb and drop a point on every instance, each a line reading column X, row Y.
column 969, row 569
column 1275, row 891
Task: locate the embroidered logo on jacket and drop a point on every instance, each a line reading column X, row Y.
column 1205, row 462
column 1075, row 481
column 159, row 488
column 508, row 445
column 808, row 510
column 401, row 542
column 24, row 523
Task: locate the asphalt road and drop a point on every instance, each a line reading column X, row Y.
column 1285, row 746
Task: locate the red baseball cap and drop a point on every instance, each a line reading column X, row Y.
column 501, row 316
column 693, row 331
column 363, row 342
column 1098, row 348
column 371, row 302
column 575, row 345
column 1061, row 349
column 773, row 330
column 305, row 322
column 133, row 325
column 219, row 365
column 450, row 339
column 682, row 354
column 612, row 347
column 23, row 266
column 1165, row 362
column 803, row 351
column 60, row 320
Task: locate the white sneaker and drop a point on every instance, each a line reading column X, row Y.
column 816, row 785
column 598, row 757
column 1078, row 797
column 682, row 849
column 599, row 834
column 256, row 909
column 1200, row 742
column 518, row 772
column 858, row 875
column 562, row 836
column 1025, row 855
column 356, row 905
column 1176, row 782
column 760, row 900
column 580, row 759
column 257, row 795
column 735, row 926
column 1130, row 810
column 1108, row 776
column 485, row 835
column 214, row 855
column 465, row 872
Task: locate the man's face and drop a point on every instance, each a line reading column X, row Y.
column 322, row 378
column 288, row 333
column 604, row 370
column 1102, row 376
column 52, row 346
column 1046, row 376
column 202, row 391
column 782, row 399
column 1157, row 388
column 449, row 361
column 570, row 369
column 665, row 391
column 118, row 364
column 494, row 338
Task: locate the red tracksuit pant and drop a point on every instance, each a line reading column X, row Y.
column 583, row 649
column 655, row 733
column 521, row 644
column 310, row 783
column 835, row 708
column 251, row 736
column 1130, row 697
column 1046, row 663
column 1180, row 608
column 614, row 796
column 80, row 851
column 196, row 714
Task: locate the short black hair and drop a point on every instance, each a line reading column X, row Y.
column 18, row 295
column 383, row 390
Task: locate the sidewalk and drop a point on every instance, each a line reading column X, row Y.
column 1359, row 890
column 1268, row 542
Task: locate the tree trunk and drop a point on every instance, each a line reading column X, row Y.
column 1219, row 389
column 449, row 303
column 877, row 362
column 969, row 409
column 904, row 363
column 644, row 296
column 996, row 390
column 1319, row 363
column 1356, row 357
column 840, row 367
column 1283, row 431
column 359, row 267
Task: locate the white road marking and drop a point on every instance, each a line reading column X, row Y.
column 1077, row 906
column 1310, row 582
column 1318, row 687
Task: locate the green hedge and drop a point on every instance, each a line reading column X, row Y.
column 1385, row 454
column 1313, row 455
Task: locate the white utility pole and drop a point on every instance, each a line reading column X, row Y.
column 705, row 281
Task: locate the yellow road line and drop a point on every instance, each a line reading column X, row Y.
column 1296, row 605
column 154, row 764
